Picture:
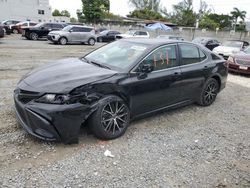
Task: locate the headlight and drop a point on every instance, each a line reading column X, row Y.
column 53, row 99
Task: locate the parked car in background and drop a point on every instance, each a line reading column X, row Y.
column 170, row 37
column 41, row 30
column 99, row 30
column 240, row 62
column 134, row 34
column 1, row 31
column 107, row 36
column 230, row 47
column 73, row 34
column 115, row 84
column 8, row 25
column 209, row 43
column 17, row 29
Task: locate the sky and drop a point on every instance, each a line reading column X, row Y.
column 121, row 7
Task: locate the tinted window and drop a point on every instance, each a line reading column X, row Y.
column 202, row 55
column 75, row 29
column 47, row 26
column 215, row 57
column 142, row 33
column 85, row 29
column 57, row 26
column 190, row 54
column 163, row 58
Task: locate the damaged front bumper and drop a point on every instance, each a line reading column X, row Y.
column 52, row 122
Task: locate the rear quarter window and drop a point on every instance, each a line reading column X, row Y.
column 191, row 54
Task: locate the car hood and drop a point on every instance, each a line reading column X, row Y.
column 226, row 49
column 63, row 76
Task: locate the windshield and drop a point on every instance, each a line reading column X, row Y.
column 119, row 54
column 67, row 28
column 39, row 25
column 235, row 44
column 130, row 32
column 104, row 32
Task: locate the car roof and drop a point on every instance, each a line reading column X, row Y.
column 83, row 26
column 154, row 41
column 238, row 40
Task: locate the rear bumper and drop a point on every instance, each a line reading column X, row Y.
column 236, row 68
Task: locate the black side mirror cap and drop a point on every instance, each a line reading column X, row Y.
column 147, row 68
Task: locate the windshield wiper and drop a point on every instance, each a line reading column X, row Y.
column 95, row 63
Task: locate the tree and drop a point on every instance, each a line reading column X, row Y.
column 183, row 13
column 80, row 16
column 154, row 5
column 224, row 21
column 56, row 12
column 94, row 9
column 207, row 23
column 236, row 13
column 146, row 14
column 203, row 10
column 73, row 20
column 65, row 13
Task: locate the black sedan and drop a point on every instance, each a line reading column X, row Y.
column 115, row 84
column 107, row 36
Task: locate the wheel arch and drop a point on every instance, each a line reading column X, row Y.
column 217, row 78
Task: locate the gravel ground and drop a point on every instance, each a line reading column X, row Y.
column 187, row 147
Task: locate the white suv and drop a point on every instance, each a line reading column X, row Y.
column 134, row 34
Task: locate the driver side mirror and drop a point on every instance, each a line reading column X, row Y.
column 71, row 31
column 144, row 70
column 147, row 68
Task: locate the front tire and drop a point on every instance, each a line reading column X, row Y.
column 63, row 41
column 111, row 119
column 33, row 36
column 209, row 92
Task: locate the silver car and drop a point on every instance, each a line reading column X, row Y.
column 73, row 34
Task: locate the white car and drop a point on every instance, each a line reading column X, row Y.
column 134, row 34
column 230, row 48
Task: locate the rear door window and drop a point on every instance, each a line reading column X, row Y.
column 191, row 54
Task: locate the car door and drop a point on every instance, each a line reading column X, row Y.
column 158, row 88
column 45, row 29
column 195, row 69
column 74, row 35
column 84, row 34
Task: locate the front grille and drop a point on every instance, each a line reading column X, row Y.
column 27, row 96
column 243, row 62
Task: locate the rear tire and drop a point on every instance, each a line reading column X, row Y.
column 209, row 92
column 91, row 41
column 63, row 41
column 111, row 119
column 33, row 36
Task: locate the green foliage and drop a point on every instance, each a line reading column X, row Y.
column 224, row 21
column 65, row 13
column 208, row 23
column 80, row 16
column 93, row 10
column 73, row 20
column 146, row 4
column 146, row 14
column 111, row 16
column 56, row 12
column 183, row 14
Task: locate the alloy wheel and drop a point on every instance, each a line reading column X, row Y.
column 33, row 36
column 210, row 92
column 63, row 41
column 91, row 42
column 114, row 117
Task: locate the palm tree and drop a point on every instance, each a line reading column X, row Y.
column 236, row 13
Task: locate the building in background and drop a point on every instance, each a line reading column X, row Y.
column 24, row 10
